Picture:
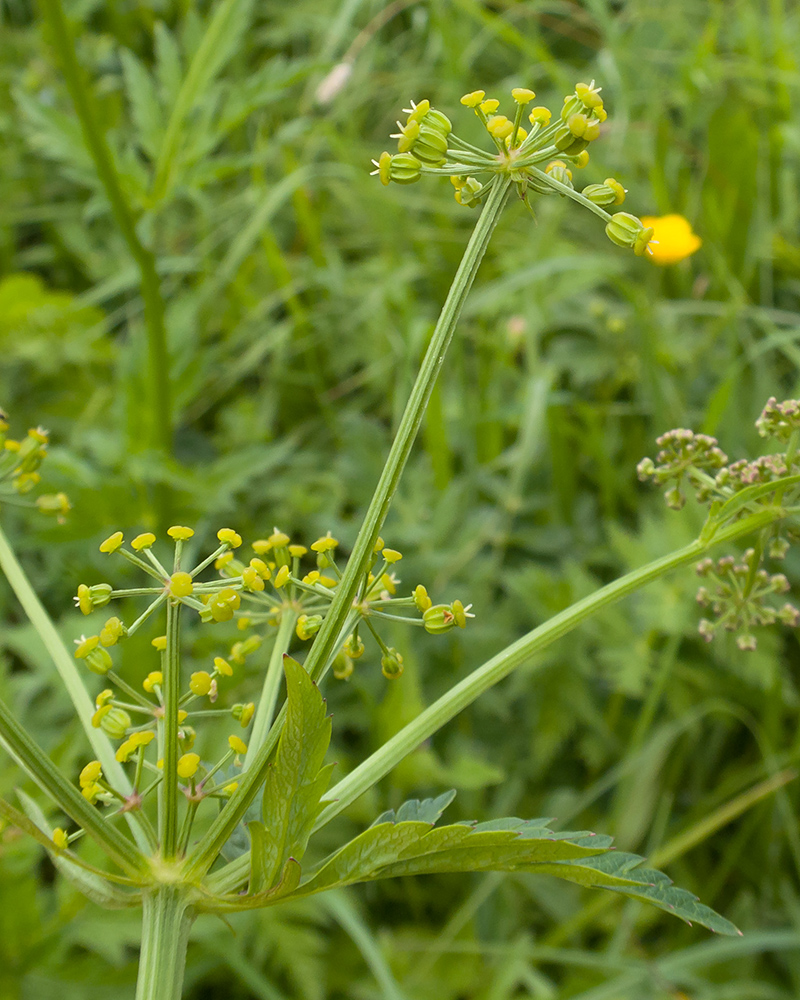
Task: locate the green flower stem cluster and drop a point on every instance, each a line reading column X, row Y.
column 540, row 160
column 20, row 462
column 271, row 589
column 738, row 592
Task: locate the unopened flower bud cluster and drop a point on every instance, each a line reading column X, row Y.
column 20, row 461
column 738, row 594
column 539, row 157
column 259, row 591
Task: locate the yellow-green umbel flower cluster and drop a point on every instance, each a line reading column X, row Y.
column 539, row 157
column 271, row 588
column 20, row 461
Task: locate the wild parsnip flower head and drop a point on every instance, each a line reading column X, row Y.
column 20, row 461
column 672, row 240
column 738, row 592
column 539, row 159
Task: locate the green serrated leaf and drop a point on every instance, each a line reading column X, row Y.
column 425, row 811
column 297, row 780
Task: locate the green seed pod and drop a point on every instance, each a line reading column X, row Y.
column 469, row 192
column 98, row 660
column 438, row 121
column 308, row 625
column 404, row 168
column 392, row 665
column 342, row 667
column 430, row 147
column 568, row 143
column 627, row 231
column 187, row 736
column 599, row 194
column 560, row 172
column 354, row 647
column 572, row 105
column 439, row 619
column 115, row 722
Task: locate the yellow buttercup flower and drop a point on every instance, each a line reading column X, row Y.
column 673, row 239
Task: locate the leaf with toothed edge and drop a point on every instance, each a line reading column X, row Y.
column 295, row 781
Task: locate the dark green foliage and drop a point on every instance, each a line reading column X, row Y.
column 300, row 295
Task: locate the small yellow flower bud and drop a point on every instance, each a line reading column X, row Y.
column 182, row 715
column 281, row 577
column 188, row 764
column 91, row 773
column 308, row 625
column 229, row 789
column 325, row 544
column 392, row 555
column 60, row 839
column 159, row 643
column 222, row 561
column 354, row 647
column 617, row 188
column 230, row 537
column 244, row 713
column 90, row 598
column 155, row 677
column 490, row 106
column 181, row 584
column 262, row 545
column 143, row 739
column 112, row 632
column 251, row 580
column 342, row 667
column 278, row 539
column 392, row 665
column 179, row 533
column 474, row 99
column 91, row 792
column 388, row 583
column 500, row 127
column 98, row 659
column 261, row 567
column 237, row 744
column 223, row 667
column 379, row 545
column 97, row 718
column 200, row 682
column 421, row 599
column 54, row 503
column 581, row 159
column 112, row 543
column 125, row 750
column 143, row 541
column 103, row 698
column 522, row 95
column 296, row 551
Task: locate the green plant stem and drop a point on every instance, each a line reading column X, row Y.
column 166, row 921
column 500, row 666
column 168, row 799
column 30, row 756
column 60, row 36
column 459, row 697
column 407, row 431
column 331, row 632
column 272, row 684
column 70, row 676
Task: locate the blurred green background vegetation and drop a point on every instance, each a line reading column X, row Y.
column 300, row 295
